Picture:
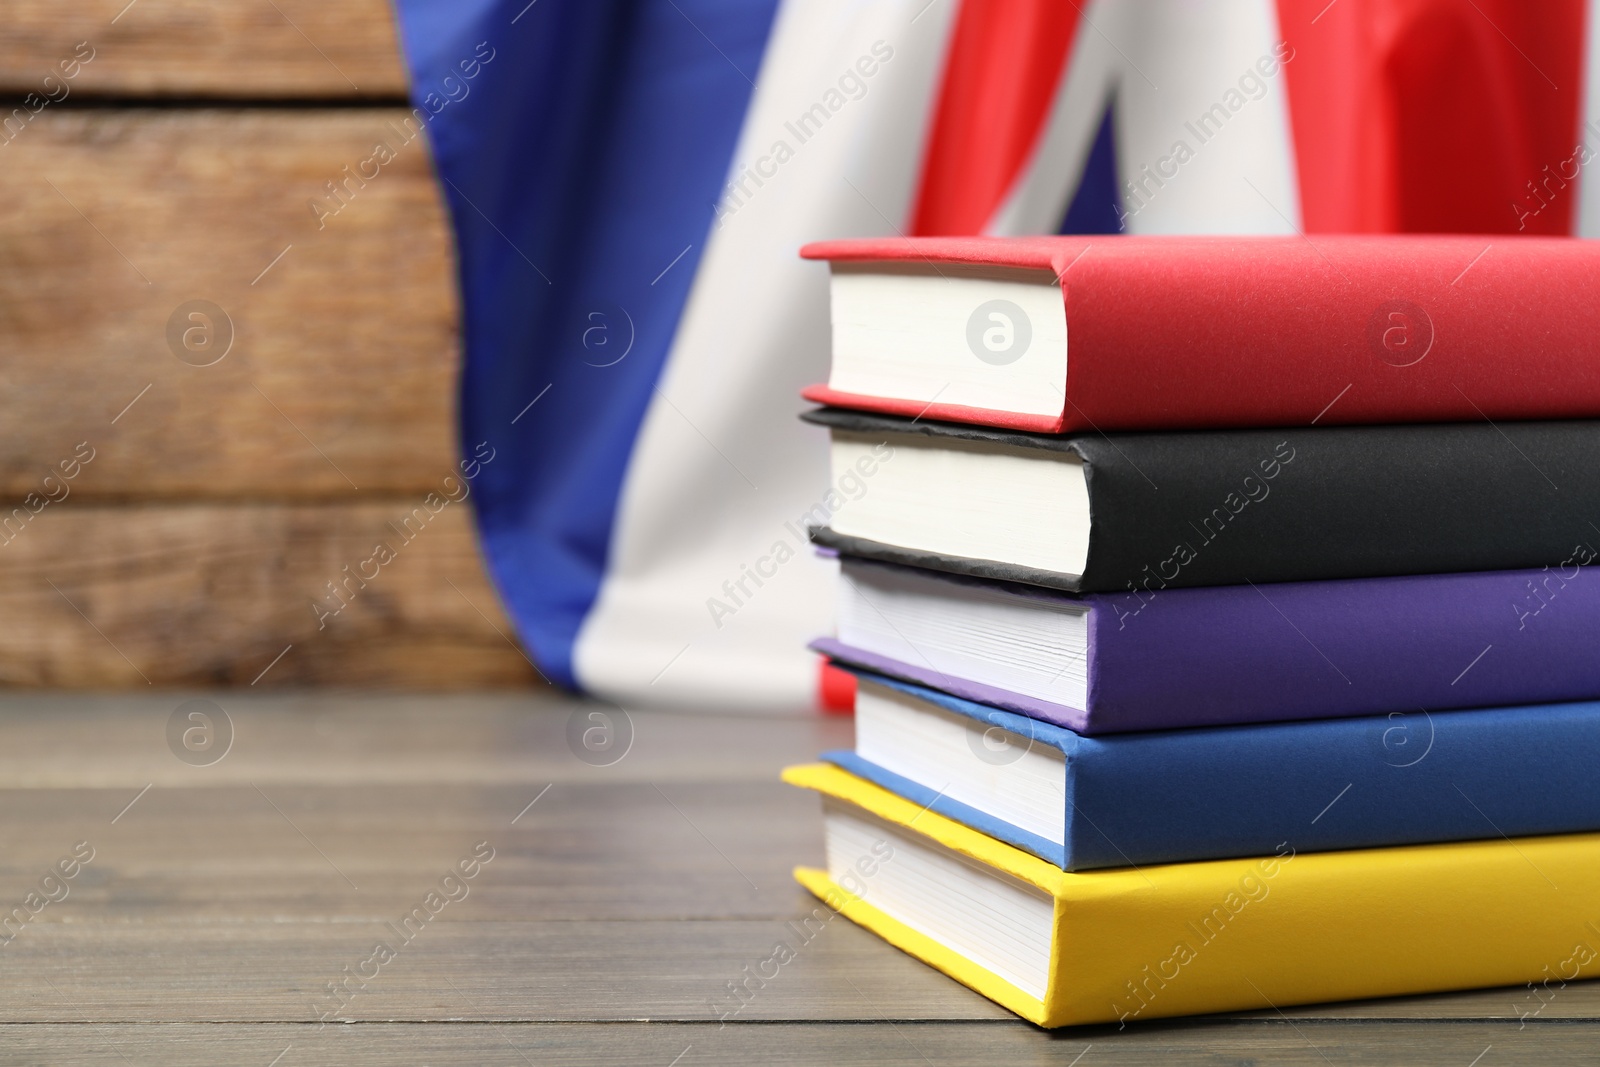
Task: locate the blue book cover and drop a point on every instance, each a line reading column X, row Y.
column 1214, row 792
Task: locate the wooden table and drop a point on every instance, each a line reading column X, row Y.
column 222, row 900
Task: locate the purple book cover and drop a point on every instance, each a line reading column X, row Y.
column 1227, row 655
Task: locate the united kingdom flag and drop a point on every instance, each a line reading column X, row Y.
column 630, row 181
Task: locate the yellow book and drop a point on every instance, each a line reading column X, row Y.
column 1128, row 944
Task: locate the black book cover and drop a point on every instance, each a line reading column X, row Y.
column 1232, row 507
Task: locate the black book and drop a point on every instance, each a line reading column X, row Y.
column 1146, row 511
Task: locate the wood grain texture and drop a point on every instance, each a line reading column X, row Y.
column 104, row 595
column 268, row 853
column 223, row 899
column 186, row 549
column 242, row 48
column 896, row 1044
column 116, row 742
column 525, row 971
column 220, row 904
column 341, row 377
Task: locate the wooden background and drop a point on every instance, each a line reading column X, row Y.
column 220, row 504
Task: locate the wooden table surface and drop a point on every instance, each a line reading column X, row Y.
column 222, row 900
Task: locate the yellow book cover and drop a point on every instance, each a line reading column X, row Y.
column 1224, row 935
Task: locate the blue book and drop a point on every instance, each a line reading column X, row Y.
column 1175, row 796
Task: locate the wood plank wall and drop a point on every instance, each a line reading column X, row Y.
column 176, row 165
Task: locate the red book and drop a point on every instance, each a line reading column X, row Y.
column 1066, row 334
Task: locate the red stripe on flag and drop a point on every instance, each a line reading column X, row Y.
column 1005, row 62
column 1435, row 116
column 836, row 689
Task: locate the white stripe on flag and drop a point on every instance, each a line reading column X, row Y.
column 1587, row 220
column 1169, row 64
column 722, row 471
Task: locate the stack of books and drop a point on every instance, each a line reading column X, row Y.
column 1219, row 614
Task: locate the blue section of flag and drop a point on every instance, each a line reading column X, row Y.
column 581, row 160
column 1096, row 207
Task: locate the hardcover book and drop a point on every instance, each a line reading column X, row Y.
column 1102, row 663
column 1143, row 512
column 1281, row 928
column 1176, row 796
column 1102, row 333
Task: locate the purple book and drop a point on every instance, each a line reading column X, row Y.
column 1222, row 655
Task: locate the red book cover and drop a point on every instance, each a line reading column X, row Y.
column 1211, row 332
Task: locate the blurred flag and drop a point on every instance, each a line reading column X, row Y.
column 629, row 181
